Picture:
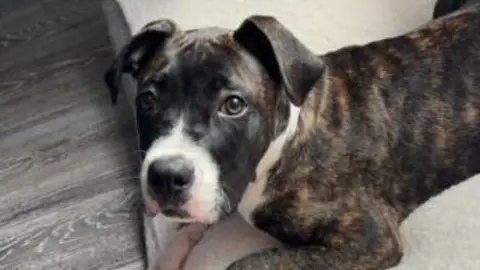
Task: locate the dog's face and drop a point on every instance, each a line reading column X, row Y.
column 209, row 103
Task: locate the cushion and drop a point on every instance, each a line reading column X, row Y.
column 444, row 233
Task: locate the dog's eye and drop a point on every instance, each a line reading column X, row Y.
column 233, row 106
column 147, row 102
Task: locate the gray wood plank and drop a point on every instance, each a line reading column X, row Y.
column 68, row 165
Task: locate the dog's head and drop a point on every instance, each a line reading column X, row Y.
column 209, row 103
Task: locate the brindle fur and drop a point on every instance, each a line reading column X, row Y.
column 391, row 124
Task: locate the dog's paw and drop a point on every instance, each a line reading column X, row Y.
column 180, row 247
column 247, row 263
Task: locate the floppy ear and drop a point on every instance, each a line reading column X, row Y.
column 137, row 52
column 289, row 62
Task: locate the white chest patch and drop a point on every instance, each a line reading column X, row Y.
column 254, row 193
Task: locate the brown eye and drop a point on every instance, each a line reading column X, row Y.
column 147, row 102
column 233, row 106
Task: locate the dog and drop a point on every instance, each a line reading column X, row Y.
column 331, row 152
column 444, row 7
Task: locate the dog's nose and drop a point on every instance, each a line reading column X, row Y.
column 169, row 174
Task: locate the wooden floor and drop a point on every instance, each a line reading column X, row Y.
column 68, row 188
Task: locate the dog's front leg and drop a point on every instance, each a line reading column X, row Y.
column 283, row 258
column 158, row 233
column 348, row 234
column 177, row 251
column 307, row 258
column 150, row 240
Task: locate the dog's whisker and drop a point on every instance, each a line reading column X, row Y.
column 227, row 187
column 226, row 201
column 228, row 205
column 130, row 178
column 223, row 204
column 138, row 151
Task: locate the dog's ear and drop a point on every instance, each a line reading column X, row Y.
column 137, row 52
column 287, row 60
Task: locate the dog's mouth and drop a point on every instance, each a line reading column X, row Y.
column 192, row 211
column 175, row 213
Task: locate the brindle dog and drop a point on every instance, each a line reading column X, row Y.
column 343, row 146
column 389, row 125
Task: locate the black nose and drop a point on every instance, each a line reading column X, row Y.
column 170, row 174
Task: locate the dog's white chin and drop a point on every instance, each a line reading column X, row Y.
column 197, row 212
column 201, row 212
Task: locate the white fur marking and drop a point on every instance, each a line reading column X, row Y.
column 253, row 196
column 205, row 188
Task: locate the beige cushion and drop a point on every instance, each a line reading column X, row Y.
column 323, row 25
